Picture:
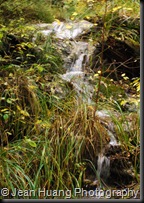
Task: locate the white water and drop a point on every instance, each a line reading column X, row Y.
column 75, row 64
column 79, row 56
column 66, row 30
column 80, row 51
column 103, row 163
column 103, row 166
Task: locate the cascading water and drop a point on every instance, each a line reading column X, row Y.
column 75, row 73
column 103, row 163
column 79, row 53
column 103, row 166
column 75, row 63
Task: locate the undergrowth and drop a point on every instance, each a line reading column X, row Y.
column 49, row 138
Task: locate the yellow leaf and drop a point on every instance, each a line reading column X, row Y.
column 72, row 18
column 125, row 78
column 58, row 21
column 68, row 26
column 3, row 110
column 123, row 102
column 38, row 122
column 24, row 113
column 123, row 74
column 68, row 129
column 96, row 75
column 87, row 17
column 74, row 14
column 116, row 8
column 32, row 87
column 18, row 107
column 11, row 75
column 91, row 108
column 128, row 9
column 138, row 88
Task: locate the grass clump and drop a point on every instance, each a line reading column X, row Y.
column 51, row 144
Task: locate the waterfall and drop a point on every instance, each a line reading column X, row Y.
column 77, row 59
column 79, row 54
column 103, row 166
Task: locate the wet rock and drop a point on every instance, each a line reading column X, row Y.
column 65, row 30
column 74, row 52
column 91, row 184
column 113, row 163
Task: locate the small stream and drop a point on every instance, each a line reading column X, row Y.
column 68, row 35
column 78, row 56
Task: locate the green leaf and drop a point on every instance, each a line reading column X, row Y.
column 30, row 55
column 40, row 68
column 6, row 116
column 9, row 101
column 30, row 142
column 1, row 35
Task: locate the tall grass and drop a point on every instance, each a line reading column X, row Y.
column 52, row 143
column 48, row 137
column 127, row 128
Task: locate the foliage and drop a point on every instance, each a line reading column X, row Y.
column 29, row 10
column 128, row 132
column 48, row 137
column 135, row 99
column 17, row 47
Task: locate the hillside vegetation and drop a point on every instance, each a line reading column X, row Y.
column 48, row 138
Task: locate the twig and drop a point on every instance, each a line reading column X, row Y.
column 101, row 61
